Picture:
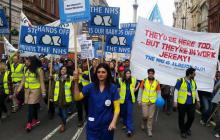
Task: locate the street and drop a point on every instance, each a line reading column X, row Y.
column 166, row 127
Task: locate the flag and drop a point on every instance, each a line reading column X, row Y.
column 9, row 49
column 24, row 20
column 155, row 15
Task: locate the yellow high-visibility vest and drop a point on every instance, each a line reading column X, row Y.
column 82, row 80
column 17, row 73
column 122, row 92
column 68, row 95
column 183, row 92
column 31, row 80
column 5, row 81
column 149, row 92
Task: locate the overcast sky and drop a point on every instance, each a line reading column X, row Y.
column 145, row 7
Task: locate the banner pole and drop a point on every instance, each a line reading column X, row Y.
column 103, row 43
column 116, row 71
column 89, row 70
column 75, row 28
column 50, row 81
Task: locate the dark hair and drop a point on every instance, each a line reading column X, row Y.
column 109, row 76
column 127, row 60
column 150, row 70
column 190, row 71
column 124, row 76
column 35, row 63
column 68, row 76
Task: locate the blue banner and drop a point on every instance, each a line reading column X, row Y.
column 4, row 27
column 44, row 39
column 74, row 10
column 128, row 26
column 97, row 49
column 104, row 20
column 120, row 43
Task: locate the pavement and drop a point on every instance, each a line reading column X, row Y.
column 165, row 127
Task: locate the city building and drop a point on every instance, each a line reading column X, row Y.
column 16, row 7
column 214, row 16
column 191, row 15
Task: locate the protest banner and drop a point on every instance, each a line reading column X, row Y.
column 171, row 51
column 44, row 39
column 74, row 10
column 104, row 20
column 121, row 42
column 4, row 27
column 87, row 50
column 128, row 26
column 97, row 49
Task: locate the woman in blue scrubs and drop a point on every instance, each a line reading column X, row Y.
column 103, row 104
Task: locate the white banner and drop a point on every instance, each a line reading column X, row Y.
column 171, row 51
column 9, row 49
column 87, row 51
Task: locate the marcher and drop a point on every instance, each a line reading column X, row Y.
column 33, row 81
column 128, row 86
column 61, row 95
column 103, row 104
column 185, row 99
column 5, row 89
column 17, row 72
column 148, row 93
column 83, row 104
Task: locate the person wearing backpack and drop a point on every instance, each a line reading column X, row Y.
column 185, row 99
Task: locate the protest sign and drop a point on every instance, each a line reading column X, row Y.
column 104, row 20
column 44, row 39
column 121, row 42
column 4, row 27
column 128, row 26
column 171, row 51
column 74, row 10
column 87, row 50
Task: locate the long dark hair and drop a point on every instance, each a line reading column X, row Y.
column 109, row 76
column 124, row 76
column 68, row 76
column 35, row 63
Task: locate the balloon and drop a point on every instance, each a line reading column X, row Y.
column 160, row 102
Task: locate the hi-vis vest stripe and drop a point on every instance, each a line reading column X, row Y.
column 82, row 80
column 5, row 81
column 31, row 80
column 182, row 93
column 149, row 92
column 17, row 73
column 123, row 90
column 68, row 95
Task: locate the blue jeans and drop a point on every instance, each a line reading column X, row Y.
column 206, row 106
column 63, row 113
column 126, row 114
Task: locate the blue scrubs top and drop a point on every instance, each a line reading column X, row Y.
column 100, row 105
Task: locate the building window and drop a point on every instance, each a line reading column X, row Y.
column 42, row 4
column 52, row 7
